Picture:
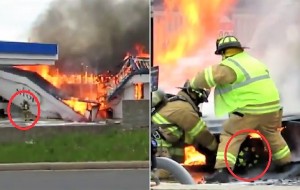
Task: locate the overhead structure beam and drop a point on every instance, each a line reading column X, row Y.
column 23, row 53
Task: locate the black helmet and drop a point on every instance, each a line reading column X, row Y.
column 201, row 94
column 227, row 42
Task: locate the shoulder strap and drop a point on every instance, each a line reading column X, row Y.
column 177, row 97
column 157, row 108
column 170, row 98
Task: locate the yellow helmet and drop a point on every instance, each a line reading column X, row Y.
column 227, row 42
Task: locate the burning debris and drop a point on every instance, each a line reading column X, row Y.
column 193, row 157
column 95, row 32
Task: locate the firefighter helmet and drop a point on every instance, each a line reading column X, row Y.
column 227, row 42
column 201, row 93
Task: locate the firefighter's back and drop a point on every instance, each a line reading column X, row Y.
column 262, row 82
column 171, row 111
column 253, row 87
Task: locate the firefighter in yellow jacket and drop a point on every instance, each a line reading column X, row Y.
column 245, row 91
column 179, row 122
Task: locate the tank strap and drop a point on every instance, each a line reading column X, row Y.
column 176, row 98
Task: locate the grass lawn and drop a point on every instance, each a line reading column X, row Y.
column 111, row 145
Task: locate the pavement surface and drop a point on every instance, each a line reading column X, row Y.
column 75, row 165
column 50, row 123
column 75, row 180
column 238, row 186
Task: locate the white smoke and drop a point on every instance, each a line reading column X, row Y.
column 276, row 41
column 271, row 29
column 194, row 64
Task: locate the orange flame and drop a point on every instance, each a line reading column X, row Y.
column 255, row 135
column 139, row 52
column 183, row 29
column 194, row 22
column 44, row 71
column 78, row 106
column 94, row 89
column 193, row 157
column 138, row 91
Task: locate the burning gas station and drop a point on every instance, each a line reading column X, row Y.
column 81, row 97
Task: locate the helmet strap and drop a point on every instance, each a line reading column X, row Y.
column 223, row 55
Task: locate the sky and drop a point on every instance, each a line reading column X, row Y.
column 18, row 16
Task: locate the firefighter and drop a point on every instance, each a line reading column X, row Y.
column 179, row 122
column 245, row 91
column 26, row 111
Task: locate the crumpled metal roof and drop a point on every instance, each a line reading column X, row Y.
column 38, row 80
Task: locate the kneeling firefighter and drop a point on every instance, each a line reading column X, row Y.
column 178, row 121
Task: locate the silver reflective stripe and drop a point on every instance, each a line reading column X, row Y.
column 260, row 109
column 248, row 80
column 241, row 84
column 281, row 153
column 158, row 119
column 246, row 74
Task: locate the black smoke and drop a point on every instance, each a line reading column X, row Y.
column 95, row 32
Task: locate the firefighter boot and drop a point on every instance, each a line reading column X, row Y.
column 219, row 176
column 154, row 176
column 210, row 162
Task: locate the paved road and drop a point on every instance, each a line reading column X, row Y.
column 75, row 180
column 50, row 123
column 165, row 186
